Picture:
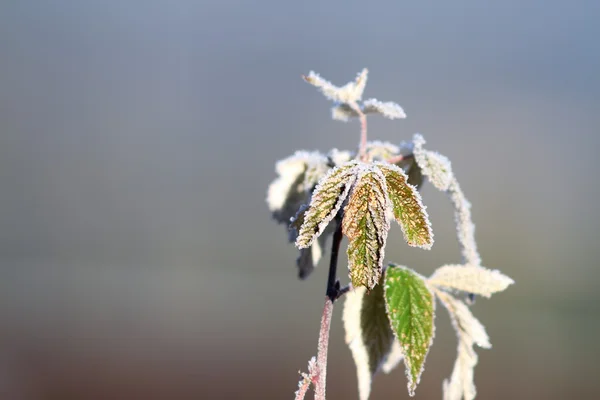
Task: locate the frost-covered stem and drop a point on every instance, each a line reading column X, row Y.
column 332, row 293
column 322, row 350
column 318, row 375
column 398, row 158
column 363, row 130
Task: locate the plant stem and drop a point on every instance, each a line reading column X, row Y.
column 332, row 293
column 321, row 378
column 318, row 375
column 363, row 130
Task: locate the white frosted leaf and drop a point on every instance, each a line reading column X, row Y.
column 471, row 279
column 465, row 228
column 461, row 384
column 342, row 112
column 291, row 188
column 349, row 93
column 368, row 334
column 378, row 150
column 467, row 327
column 339, row 157
column 469, row 332
column 438, row 170
column 388, row 109
column 434, row 166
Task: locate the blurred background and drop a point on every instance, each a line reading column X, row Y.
column 137, row 140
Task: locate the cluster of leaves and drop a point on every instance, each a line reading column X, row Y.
column 389, row 313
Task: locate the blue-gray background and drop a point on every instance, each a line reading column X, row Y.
column 137, row 140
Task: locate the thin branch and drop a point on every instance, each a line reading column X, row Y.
column 398, row 158
column 321, row 378
column 363, row 130
column 318, row 375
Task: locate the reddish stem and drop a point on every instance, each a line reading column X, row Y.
column 322, row 350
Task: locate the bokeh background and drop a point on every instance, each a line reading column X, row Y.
column 137, row 140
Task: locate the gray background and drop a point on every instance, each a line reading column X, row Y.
column 137, row 139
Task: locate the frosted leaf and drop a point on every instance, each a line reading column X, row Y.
column 349, row 93
column 342, row 112
column 465, row 229
column 391, row 110
column 388, row 109
column 326, row 200
column 339, row 157
column 469, row 332
column 366, row 225
column 291, row 189
column 368, row 333
column 378, row 150
column 393, row 358
column 438, row 170
column 411, row 309
column 464, row 322
column 407, row 207
column 434, row 166
column 472, row 279
column 461, row 384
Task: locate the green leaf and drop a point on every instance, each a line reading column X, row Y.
column 408, row 209
column 366, row 225
column 410, row 307
column 368, row 334
column 326, row 200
